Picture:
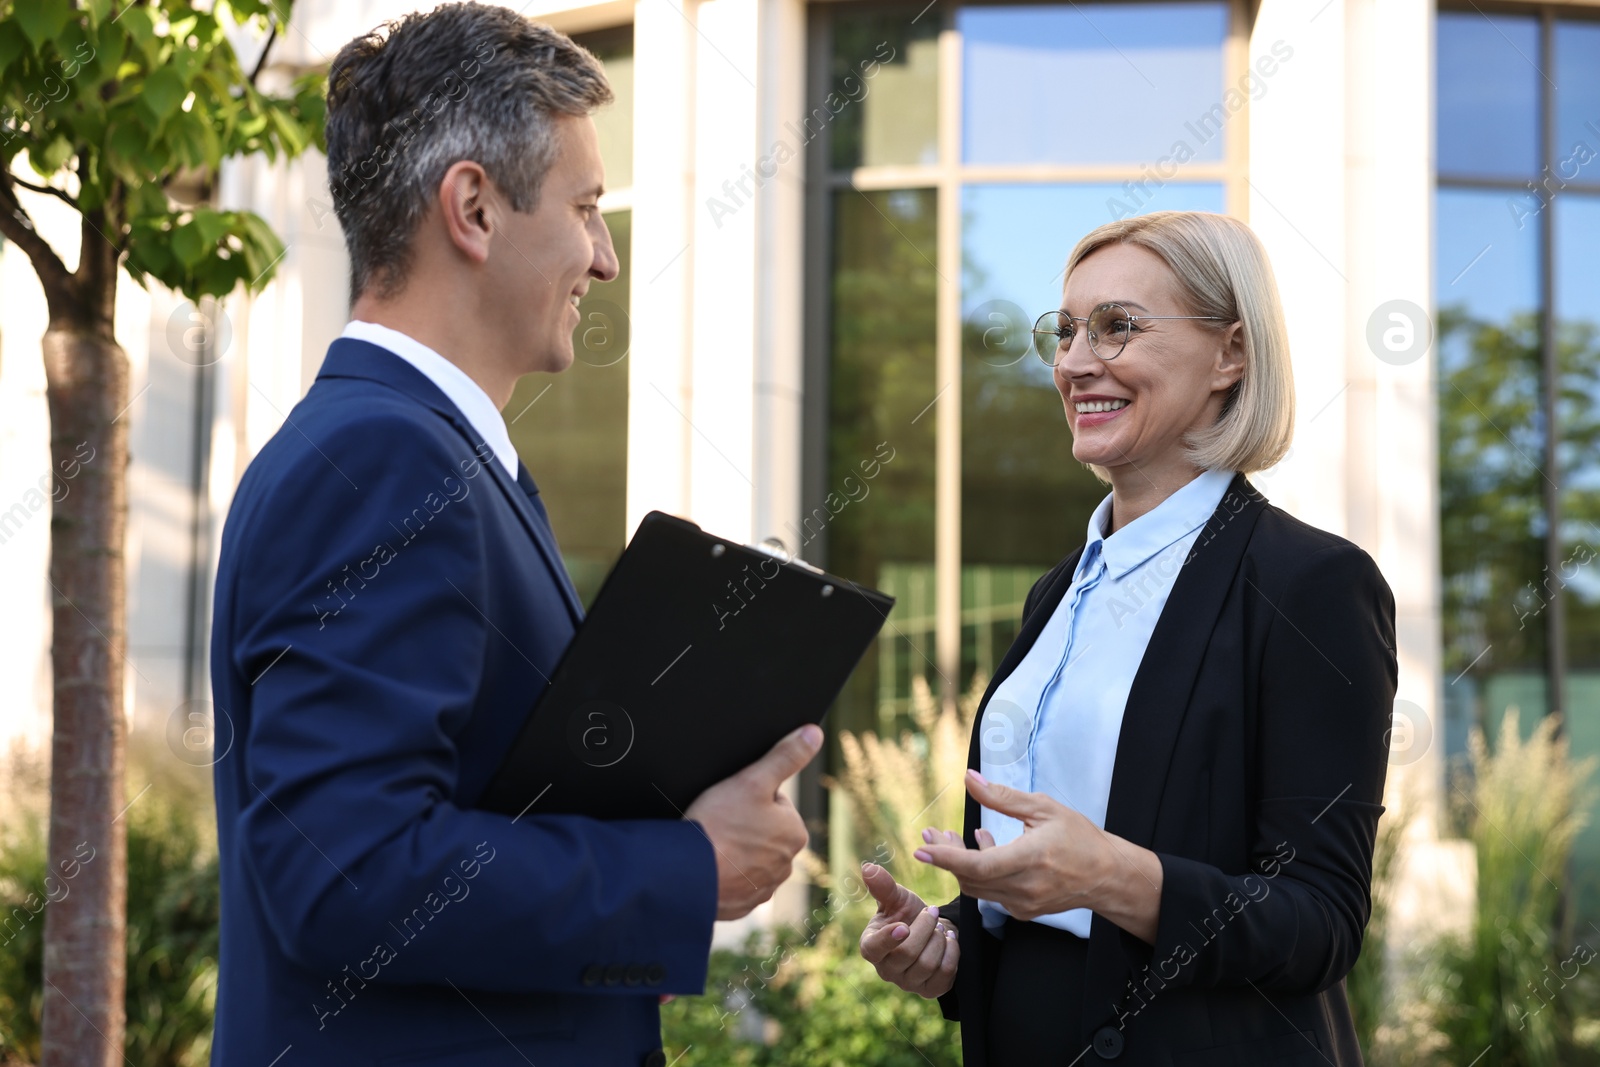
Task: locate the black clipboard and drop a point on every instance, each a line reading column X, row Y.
column 698, row 656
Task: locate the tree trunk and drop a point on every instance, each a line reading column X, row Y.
column 85, row 954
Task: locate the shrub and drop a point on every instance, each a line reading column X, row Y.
column 1367, row 985
column 794, row 1002
column 897, row 786
column 1505, row 992
column 172, row 927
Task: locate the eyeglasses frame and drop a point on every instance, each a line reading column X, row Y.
column 1130, row 316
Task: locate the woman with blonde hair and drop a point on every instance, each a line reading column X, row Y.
column 1177, row 770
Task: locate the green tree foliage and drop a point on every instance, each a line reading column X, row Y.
column 113, row 103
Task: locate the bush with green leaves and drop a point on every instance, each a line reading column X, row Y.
column 173, row 912
column 806, row 1000
column 1509, row 993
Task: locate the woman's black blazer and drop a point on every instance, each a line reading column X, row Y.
column 1251, row 760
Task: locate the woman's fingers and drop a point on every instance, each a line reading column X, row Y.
column 877, row 940
column 985, row 839
column 946, row 976
column 927, row 964
column 909, row 947
column 939, row 976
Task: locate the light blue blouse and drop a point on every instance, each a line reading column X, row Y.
column 1052, row 726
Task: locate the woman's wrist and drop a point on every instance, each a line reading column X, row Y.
column 1130, row 891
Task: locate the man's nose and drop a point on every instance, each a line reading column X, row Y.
column 605, row 267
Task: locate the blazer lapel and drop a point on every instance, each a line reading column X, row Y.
column 1166, row 675
column 349, row 358
column 523, row 495
column 1156, row 705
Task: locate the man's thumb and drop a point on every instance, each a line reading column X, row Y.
column 785, row 759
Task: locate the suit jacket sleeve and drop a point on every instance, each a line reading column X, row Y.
column 350, row 821
column 1326, row 694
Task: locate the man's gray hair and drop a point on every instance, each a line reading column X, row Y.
column 411, row 99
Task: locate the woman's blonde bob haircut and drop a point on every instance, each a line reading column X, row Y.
column 1220, row 269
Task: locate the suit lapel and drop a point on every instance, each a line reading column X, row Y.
column 350, row 358
column 522, row 494
column 1166, row 676
column 1156, row 706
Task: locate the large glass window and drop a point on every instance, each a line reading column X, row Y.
column 1033, row 79
column 883, row 343
column 571, row 429
column 1519, row 379
column 941, row 223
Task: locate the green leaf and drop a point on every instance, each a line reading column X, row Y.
column 290, row 133
column 188, row 244
column 163, row 91
column 91, row 194
column 262, row 249
column 110, row 42
column 127, row 142
column 53, row 156
column 42, row 20
column 12, row 42
column 139, row 24
column 98, row 10
column 211, row 224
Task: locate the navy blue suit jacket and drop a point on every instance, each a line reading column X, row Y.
column 389, row 605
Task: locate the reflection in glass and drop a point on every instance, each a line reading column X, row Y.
column 1025, row 501
column 1577, row 309
column 879, row 512
column 884, row 88
column 571, row 429
column 1576, row 153
column 1138, row 82
column 1488, row 110
column 1491, row 464
column 614, row 122
column 876, row 519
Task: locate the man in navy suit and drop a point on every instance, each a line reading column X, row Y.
column 390, row 601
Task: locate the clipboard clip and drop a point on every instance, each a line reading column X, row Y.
column 774, row 547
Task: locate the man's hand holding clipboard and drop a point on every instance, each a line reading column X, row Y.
column 692, row 691
column 753, row 827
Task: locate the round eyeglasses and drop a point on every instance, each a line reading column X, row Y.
column 1110, row 326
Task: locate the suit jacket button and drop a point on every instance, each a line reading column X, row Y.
column 592, row 974
column 657, row 1058
column 614, row 974
column 655, row 974
column 633, row 975
column 1108, row 1042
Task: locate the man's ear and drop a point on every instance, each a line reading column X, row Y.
column 464, row 203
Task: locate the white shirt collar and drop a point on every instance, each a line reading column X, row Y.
column 467, row 395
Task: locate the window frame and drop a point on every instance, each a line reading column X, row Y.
column 1552, row 484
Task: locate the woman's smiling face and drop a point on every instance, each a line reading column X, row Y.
column 1171, row 377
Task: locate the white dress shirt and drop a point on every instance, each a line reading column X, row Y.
column 1052, row 726
column 467, row 395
